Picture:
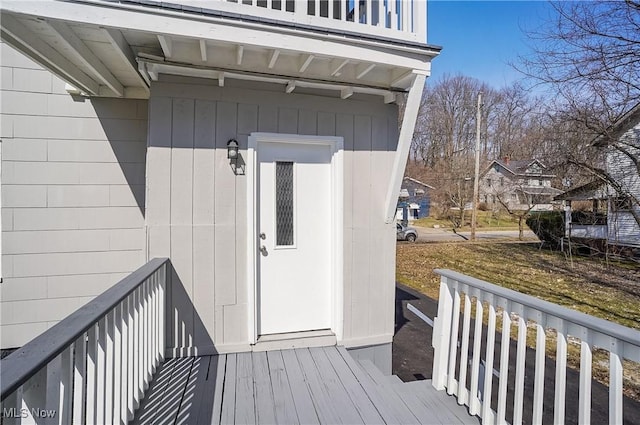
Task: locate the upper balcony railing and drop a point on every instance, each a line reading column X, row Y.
column 404, row 20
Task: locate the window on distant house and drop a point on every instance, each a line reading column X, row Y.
column 501, row 181
column 621, row 203
column 488, row 182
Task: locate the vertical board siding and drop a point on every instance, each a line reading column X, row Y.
column 205, row 184
column 73, row 175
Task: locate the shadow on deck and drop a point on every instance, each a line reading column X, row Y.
column 307, row 385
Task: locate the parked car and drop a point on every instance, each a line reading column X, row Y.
column 405, row 233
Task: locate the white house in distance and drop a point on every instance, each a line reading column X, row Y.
column 615, row 214
column 518, row 185
column 255, row 145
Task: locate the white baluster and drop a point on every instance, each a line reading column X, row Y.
column 474, row 402
column 453, row 343
column 538, row 382
column 615, row 383
column 109, row 364
column 584, row 399
column 393, row 15
column 521, row 352
column 561, row 378
column 369, row 12
column 101, row 371
column 124, row 385
column 117, row 365
column 488, row 369
column 504, row 367
column 163, row 311
column 80, row 380
column 463, row 394
column 92, row 374
column 131, row 364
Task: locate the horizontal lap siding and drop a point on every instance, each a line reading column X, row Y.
column 73, row 188
column 197, row 206
column 623, row 227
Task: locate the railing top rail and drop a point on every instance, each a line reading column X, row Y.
column 17, row 368
column 615, row 330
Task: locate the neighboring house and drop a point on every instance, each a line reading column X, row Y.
column 517, row 185
column 256, row 148
column 615, row 215
column 417, row 197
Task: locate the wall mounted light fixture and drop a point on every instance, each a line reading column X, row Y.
column 232, row 150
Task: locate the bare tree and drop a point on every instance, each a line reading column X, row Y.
column 589, row 53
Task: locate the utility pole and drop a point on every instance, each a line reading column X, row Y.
column 476, row 180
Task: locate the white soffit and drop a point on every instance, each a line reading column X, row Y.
column 95, row 48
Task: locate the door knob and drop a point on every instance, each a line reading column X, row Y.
column 263, row 250
column 263, row 236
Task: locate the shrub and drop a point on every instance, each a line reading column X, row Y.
column 548, row 226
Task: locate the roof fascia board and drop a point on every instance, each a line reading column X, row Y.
column 200, row 27
column 404, row 143
column 418, row 182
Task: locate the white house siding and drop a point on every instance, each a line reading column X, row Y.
column 623, row 228
column 72, row 197
column 196, row 206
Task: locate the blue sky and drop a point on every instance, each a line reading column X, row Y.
column 480, row 38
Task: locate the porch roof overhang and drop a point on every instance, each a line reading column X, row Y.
column 587, row 192
column 112, row 49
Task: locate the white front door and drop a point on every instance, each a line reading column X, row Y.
column 294, row 227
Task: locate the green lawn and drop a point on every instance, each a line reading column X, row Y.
column 486, row 220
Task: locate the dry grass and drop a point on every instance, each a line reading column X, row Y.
column 609, row 291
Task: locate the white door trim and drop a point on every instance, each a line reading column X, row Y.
column 336, row 144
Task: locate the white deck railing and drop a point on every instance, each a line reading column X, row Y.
column 588, row 231
column 621, row 343
column 95, row 365
column 399, row 19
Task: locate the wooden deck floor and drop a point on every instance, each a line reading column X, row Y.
column 302, row 386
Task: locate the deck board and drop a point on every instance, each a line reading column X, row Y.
column 357, row 394
column 338, row 395
column 265, row 402
column 327, row 412
column 245, row 401
column 284, row 406
column 295, row 386
column 304, row 405
column 216, row 376
column 227, row 416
